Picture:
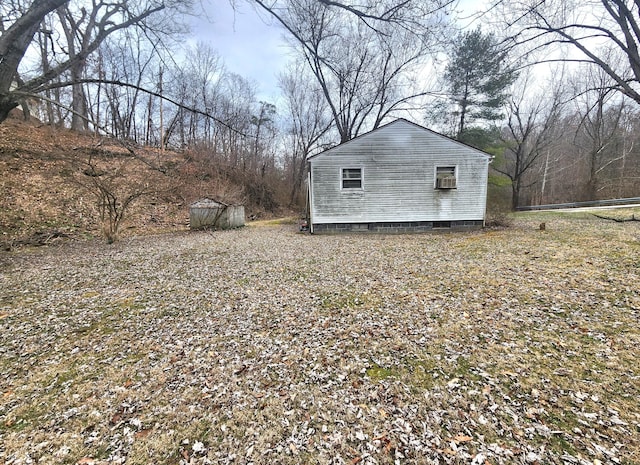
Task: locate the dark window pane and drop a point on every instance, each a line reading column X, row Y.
column 351, row 184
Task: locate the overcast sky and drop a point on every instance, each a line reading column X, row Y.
column 250, row 47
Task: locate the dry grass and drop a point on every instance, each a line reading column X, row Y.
column 262, row 345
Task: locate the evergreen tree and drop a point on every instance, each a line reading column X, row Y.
column 478, row 79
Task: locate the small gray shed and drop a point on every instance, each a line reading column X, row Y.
column 208, row 213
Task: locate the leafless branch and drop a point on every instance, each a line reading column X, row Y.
column 55, row 85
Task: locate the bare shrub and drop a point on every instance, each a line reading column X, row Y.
column 116, row 182
column 499, row 219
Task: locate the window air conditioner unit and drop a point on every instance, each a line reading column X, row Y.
column 446, row 183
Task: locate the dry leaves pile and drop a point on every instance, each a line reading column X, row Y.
column 264, row 346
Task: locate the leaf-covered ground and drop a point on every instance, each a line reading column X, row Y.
column 263, row 345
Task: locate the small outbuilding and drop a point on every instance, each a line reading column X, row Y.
column 400, row 177
column 208, row 213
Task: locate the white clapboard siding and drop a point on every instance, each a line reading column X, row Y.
column 398, row 164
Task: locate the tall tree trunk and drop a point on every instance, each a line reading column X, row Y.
column 515, row 194
column 80, row 115
column 44, row 52
column 297, row 182
column 13, row 45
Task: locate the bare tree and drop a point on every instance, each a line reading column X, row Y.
column 265, row 130
column 531, row 129
column 234, row 110
column 14, row 42
column 594, row 28
column 307, row 121
column 124, row 57
column 196, row 81
column 46, row 47
column 73, row 33
column 598, row 136
column 628, row 183
column 208, row 72
column 364, row 59
column 88, row 28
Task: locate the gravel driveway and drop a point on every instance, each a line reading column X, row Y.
column 264, row 345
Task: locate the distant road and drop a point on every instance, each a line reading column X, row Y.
column 610, row 203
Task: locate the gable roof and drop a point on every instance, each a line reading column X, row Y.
column 405, row 122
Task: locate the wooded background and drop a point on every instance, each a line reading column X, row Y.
column 551, row 90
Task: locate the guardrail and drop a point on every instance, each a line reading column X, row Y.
column 590, row 203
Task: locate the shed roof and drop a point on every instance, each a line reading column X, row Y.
column 405, row 122
column 208, row 203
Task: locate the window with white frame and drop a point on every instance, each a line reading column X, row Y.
column 352, row 178
column 446, row 177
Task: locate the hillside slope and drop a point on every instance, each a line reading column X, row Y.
column 51, row 180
